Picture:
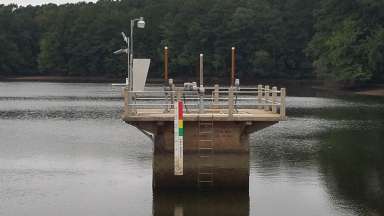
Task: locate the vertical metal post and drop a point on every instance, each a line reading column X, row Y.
column 201, row 89
column 266, row 98
column 274, row 94
column 233, row 65
column 201, row 69
column 127, row 80
column 282, row 102
column 131, row 56
column 166, row 82
column 165, row 64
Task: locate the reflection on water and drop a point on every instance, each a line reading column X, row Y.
column 352, row 162
column 201, row 203
column 65, row 151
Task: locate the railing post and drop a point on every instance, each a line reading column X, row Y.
column 125, row 95
column 201, row 103
column 173, row 95
column 128, row 100
column 274, row 94
column 216, row 97
column 166, row 103
column 259, row 95
column 282, row 102
column 178, row 94
column 167, row 99
column 266, row 98
column 230, row 102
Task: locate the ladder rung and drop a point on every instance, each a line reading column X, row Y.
column 206, row 170
column 206, row 173
column 206, row 164
column 205, row 137
column 206, row 178
column 206, row 140
column 206, row 149
column 205, row 167
column 206, row 154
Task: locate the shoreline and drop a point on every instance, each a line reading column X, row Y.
column 59, row 79
column 371, row 90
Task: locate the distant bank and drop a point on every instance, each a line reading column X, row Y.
column 60, row 79
column 373, row 89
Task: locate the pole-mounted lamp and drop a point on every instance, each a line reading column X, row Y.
column 140, row 24
column 129, row 51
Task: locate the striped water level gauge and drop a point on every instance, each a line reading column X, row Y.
column 179, row 137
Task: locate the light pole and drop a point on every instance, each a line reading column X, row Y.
column 140, row 24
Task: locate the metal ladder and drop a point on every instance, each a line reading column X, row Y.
column 205, row 178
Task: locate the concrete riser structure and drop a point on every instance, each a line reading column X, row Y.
column 230, row 171
column 228, row 161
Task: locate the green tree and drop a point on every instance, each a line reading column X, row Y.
column 348, row 42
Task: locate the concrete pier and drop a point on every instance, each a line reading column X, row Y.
column 216, row 133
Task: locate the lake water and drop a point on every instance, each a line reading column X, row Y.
column 65, row 151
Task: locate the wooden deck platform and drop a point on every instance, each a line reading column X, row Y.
column 208, row 115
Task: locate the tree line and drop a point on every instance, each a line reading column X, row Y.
column 340, row 40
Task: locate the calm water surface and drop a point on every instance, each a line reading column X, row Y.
column 65, row 151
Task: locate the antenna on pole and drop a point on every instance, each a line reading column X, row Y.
column 125, row 37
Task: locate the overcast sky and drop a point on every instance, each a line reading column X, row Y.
column 39, row 2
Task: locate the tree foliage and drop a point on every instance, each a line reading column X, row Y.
column 348, row 43
column 342, row 38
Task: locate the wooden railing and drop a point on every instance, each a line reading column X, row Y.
column 229, row 100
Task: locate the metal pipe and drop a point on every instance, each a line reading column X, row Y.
column 127, row 81
column 201, row 89
column 131, row 55
column 233, row 66
column 201, row 69
column 165, row 64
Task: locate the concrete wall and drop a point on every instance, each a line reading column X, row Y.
column 229, row 170
column 229, row 161
column 229, row 136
